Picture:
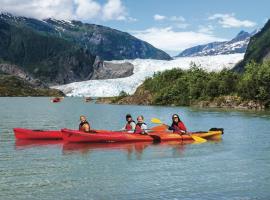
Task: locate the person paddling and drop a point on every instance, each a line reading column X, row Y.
column 84, row 125
column 130, row 125
column 141, row 127
column 177, row 125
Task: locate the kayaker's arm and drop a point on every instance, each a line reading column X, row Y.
column 183, row 131
column 171, row 128
column 133, row 125
column 144, row 127
column 86, row 128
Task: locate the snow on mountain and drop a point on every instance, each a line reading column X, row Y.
column 145, row 68
column 236, row 45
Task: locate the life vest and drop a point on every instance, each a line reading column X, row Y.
column 180, row 126
column 138, row 128
column 81, row 126
column 128, row 126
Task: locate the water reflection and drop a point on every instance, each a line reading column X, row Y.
column 26, row 144
column 132, row 150
column 136, row 148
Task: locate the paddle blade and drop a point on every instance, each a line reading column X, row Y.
column 198, row 139
column 156, row 121
column 159, row 128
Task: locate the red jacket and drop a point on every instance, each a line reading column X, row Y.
column 128, row 126
column 178, row 128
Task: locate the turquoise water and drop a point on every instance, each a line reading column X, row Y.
column 237, row 168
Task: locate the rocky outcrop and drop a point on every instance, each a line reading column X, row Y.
column 140, row 97
column 18, row 72
column 144, row 97
column 109, row 70
column 13, row 86
column 233, row 102
column 266, row 58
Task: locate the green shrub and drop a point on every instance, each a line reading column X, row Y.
column 182, row 87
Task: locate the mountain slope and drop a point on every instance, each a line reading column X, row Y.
column 258, row 49
column 236, row 45
column 105, row 42
column 46, row 57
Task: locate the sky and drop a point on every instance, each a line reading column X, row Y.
column 171, row 25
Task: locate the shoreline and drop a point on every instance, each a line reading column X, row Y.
column 224, row 102
column 243, row 106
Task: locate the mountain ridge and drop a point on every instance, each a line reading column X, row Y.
column 258, row 49
column 105, row 42
column 236, row 45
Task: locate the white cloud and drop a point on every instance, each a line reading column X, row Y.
column 206, row 29
column 62, row 9
column 175, row 21
column 158, row 17
column 87, row 9
column 67, row 9
column 181, row 25
column 132, row 19
column 170, row 40
column 114, row 9
column 229, row 21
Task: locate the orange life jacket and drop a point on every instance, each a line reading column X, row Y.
column 81, row 126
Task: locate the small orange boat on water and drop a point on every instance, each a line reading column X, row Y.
column 57, row 99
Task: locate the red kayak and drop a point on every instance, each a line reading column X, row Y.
column 111, row 136
column 117, row 136
column 104, row 136
column 28, row 134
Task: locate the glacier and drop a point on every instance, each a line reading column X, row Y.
column 144, row 68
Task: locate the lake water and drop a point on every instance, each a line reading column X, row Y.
column 238, row 167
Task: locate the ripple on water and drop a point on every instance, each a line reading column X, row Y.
column 238, row 167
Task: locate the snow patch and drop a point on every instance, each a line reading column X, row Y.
column 144, row 68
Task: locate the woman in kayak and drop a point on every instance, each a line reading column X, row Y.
column 130, row 126
column 177, row 125
column 141, row 127
column 84, row 125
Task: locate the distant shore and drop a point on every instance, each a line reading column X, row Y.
column 224, row 102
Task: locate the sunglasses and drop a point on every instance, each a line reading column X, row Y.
column 175, row 117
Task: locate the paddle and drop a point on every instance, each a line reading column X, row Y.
column 195, row 138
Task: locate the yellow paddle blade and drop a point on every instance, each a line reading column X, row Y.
column 198, row 139
column 156, row 121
